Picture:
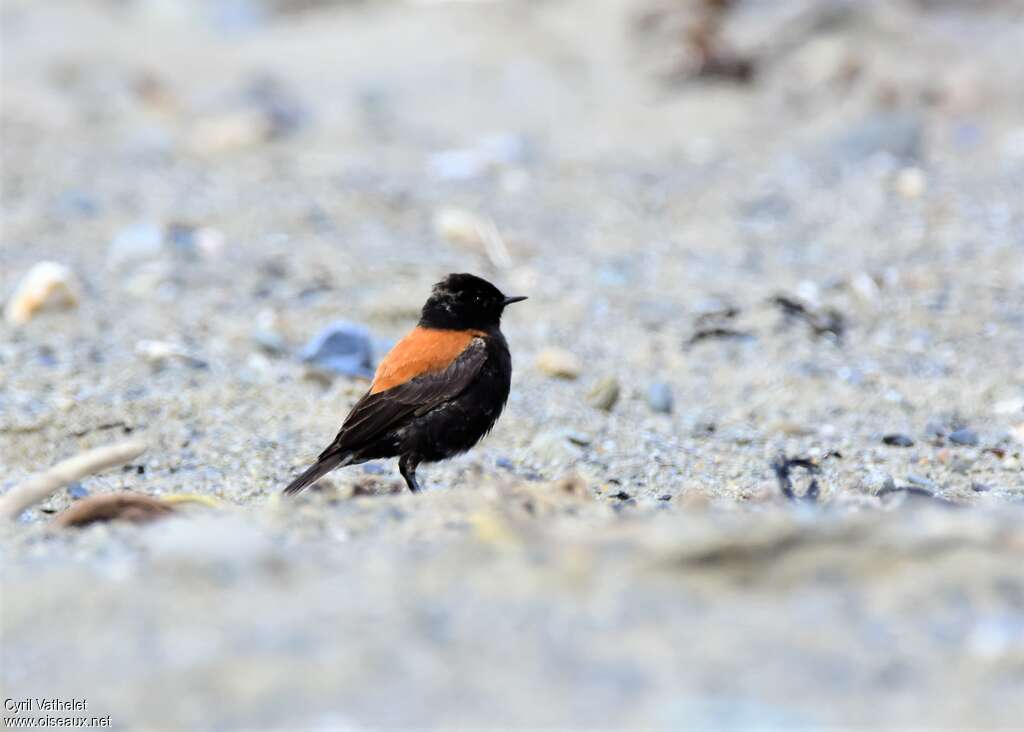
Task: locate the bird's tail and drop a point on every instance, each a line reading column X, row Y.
column 323, row 465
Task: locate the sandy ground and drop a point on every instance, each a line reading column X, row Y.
column 293, row 164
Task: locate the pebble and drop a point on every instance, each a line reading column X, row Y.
column 919, row 480
column 341, row 348
column 789, row 427
column 76, row 490
column 898, row 134
column 229, row 132
column 898, row 440
column 961, row 466
column 465, row 229
column 964, row 436
column 865, row 287
column 159, row 353
column 146, row 241
column 457, row 165
column 204, row 242
column 936, row 428
column 283, row 111
column 269, row 341
column 1017, row 433
column 47, row 285
column 911, row 183
column 490, row 153
column 72, row 204
column 559, row 363
column 266, row 333
column 1009, row 406
column 877, row 481
column 556, row 446
column 659, row 397
column 604, row 394
column 135, row 243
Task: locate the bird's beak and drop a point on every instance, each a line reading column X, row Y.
column 517, row 298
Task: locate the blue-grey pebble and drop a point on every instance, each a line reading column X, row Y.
column 964, row 436
column 76, row 490
column 341, row 348
column 659, row 397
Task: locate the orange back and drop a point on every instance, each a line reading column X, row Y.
column 424, row 350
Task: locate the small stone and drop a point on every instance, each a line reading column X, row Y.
column 491, row 153
column 898, row 440
column 504, row 463
column 136, row 243
column 789, row 427
column 457, row 165
column 266, row 334
column 878, row 481
column 964, row 436
column 604, row 394
column 229, row 132
column 1009, row 406
column 898, row 134
column 865, row 287
column 269, row 342
column 283, row 112
column 961, row 466
column 559, row 363
column 465, row 229
column 204, row 242
column 659, row 397
column 578, row 438
column 73, row 204
column 76, row 490
column 555, row 446
column 919, row 480
column 341, row 348
column 1017, row 433
column 911, row 183
column 318, row 376
column 47, row 285
column 159, row 353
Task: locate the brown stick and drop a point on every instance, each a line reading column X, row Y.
column 39, row 486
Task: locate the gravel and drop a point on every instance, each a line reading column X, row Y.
column 628, row 566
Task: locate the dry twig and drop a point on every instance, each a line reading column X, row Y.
column 40, row 486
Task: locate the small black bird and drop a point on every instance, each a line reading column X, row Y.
column 437, row 392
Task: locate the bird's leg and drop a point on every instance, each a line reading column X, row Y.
column 407, row 467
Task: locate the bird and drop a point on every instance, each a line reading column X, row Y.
column 437, row 392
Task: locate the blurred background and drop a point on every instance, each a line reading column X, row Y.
column 761, row 466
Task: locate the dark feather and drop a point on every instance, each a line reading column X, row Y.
column 375, row 415
column 324, row 464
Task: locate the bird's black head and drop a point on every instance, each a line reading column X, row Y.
column 464, row 302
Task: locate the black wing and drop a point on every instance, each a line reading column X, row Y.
column 376, row 414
